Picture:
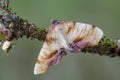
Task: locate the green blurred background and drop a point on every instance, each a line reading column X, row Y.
column 19, row 63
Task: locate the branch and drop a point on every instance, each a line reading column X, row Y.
column 12, row 27
column 105, row 47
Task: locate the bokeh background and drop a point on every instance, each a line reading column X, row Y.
column 18, row 64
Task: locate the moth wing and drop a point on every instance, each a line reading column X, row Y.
column 82, row 32
column 44, row 56
column 79, row 35
column 51, row 51
column 88, row 33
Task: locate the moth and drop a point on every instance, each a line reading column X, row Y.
column 62, row 36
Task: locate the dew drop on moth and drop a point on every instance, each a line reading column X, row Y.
column 65, row 35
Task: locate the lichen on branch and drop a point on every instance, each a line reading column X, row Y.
column 13, row 27
column 105, row 47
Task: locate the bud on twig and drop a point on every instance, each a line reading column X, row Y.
column 6, row 45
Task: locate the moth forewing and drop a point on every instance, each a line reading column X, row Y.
column 89, row 33
column 49, row 48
